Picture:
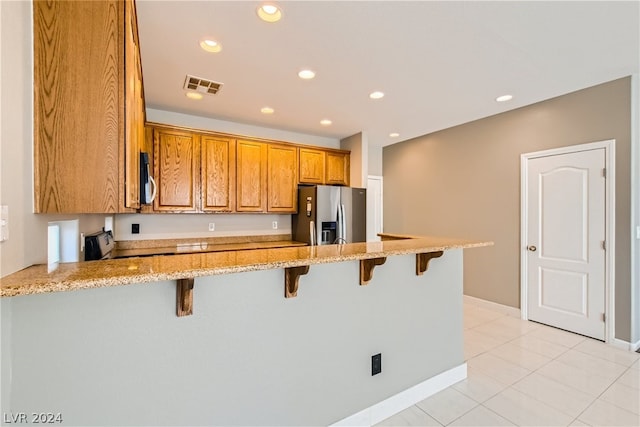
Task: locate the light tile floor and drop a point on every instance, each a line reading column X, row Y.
column 526, row 374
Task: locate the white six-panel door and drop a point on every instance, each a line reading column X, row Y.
column 565, row 247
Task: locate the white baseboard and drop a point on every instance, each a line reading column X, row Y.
column 508, row 310
column 624, row 345
column 405, row 399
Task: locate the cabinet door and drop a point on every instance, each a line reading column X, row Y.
column 312, row 163
column 77, row 110
column 176, row 170
column 134, row 110
column 282, row 185
column 337, row 171
column 218, row 169
column 251, row 176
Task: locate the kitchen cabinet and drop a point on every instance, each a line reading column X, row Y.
column 318, row 166
column 251, row 176
column 312, row 165
column 218, row 173
column 337, row 168
column 81, row 107
column 176, row 170
column 282, row 177
column 134, row 111
column 202, row 171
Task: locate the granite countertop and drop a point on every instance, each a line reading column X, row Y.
column 200, row 247
column 114, row 272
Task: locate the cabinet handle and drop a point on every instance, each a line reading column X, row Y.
column 532, row 248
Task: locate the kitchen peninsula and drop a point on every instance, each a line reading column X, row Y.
column 247, row 355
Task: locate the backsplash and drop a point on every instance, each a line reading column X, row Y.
column 176, row 226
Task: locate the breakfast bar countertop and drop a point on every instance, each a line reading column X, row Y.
column 115, row 272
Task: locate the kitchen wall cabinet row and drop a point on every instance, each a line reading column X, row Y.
column 198, row 171
column 89, row 109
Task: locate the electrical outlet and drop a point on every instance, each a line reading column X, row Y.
column 274, row 225
column 376, row 364
column 135, row 228
column 4, row 223
column 212, row 226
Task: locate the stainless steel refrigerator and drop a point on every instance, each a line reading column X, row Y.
column 329, row 214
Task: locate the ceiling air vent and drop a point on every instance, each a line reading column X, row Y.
column 201, row 85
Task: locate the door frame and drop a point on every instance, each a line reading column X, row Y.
column 610, row 186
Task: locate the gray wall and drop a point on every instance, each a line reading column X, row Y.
column 465, row 182
column 247, row 356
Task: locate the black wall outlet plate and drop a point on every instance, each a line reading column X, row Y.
column 376, row 364
column 135, row 228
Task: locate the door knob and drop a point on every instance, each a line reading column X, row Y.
column 532, row 248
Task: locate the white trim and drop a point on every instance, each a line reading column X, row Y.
column 635, row 209
column 381, row 179
column 490, row 305
column 610, row 204
column 405, row 399
column 624, row 345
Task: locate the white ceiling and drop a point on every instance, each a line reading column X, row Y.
column 440, row 63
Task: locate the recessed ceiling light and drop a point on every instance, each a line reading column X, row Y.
column 269, row 12
column 267, row 110
column 504, row 98
column 306, row 74
column 376, row 95
column 394, row 134
column 210, row 45
column 194, row 95
column 325, row 122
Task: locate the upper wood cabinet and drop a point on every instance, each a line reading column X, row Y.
column 312, row 165
column 282, row 188
column 176, row 169
column 251, row 176
column 80, row 107
column 218, row 173
column 337, row 172
column 319, row 166
column 134, row 111
column 77, row 114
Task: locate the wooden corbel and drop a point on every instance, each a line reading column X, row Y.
column 291, row 277
column 366, row 269
column 184, row 297
column 422, row 261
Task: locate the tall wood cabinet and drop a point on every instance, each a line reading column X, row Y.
column 282, row 171
column 81, row 107
column 218, row 171
column 251, row 176
column 176, row 170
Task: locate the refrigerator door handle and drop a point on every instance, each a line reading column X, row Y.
column 342, row 226
column 312, row 233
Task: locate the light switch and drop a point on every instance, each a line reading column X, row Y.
column 4, row 223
